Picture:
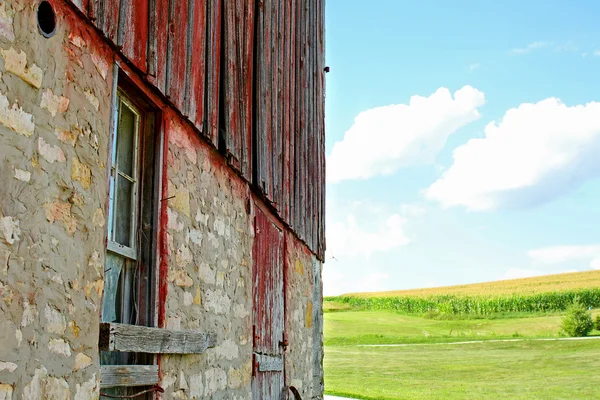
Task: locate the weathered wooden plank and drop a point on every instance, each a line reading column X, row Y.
column 268, row 363
column 134, row 32
column 157, row 43
column 298, row 108
column 177, row 51
column 263, row 103
column 288, row 70
column 128, row 375
column 197, row 69
column 322, row 167
column 105, row 14
column 232, row 80
column 267, row 254
column 247, row 38
column 213, row 66
column 142, row 339
column 268, row 306
column 278, row 112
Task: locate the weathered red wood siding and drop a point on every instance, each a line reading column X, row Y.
column 249, row 75
column 268, row 306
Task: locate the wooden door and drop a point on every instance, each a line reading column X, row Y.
column 267, row 274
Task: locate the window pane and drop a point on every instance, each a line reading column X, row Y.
column 123, row 209
column 126, row 140
column 112, row 274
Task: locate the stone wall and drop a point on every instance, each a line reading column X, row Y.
column 54, row 124
column 209, row 270
column 55, row 110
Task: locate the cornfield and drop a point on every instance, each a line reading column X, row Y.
column 524, row 286
column 479, row 305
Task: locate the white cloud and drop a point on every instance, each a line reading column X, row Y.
column 384, row 139
column 534, row 154
column 561, row 254
column 333, row 279
column 597, row 53
column 529, row 48
column 412, row 210
column 349, row 238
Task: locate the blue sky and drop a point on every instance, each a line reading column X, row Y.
column 463, row 141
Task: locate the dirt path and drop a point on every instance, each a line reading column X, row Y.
column 478, row 341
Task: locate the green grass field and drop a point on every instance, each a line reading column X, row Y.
column 429, row 367
column 525, row 370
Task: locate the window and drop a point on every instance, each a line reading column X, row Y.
column 130, row 270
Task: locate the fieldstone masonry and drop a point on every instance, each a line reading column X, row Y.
column 55, row 112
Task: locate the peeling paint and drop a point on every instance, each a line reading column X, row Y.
column 6, row 23
column 55, row 321
column 66, row 137
column 82, row 361
column 101, row 64
column 9, row 228
column 92, row 99
column 15, row 118
column 53, row 103
column 50, row 153
column 60, row 347
column 58, row 211
column 8, row 366
column 22, row 175
column 16, row 63
column 29, row 313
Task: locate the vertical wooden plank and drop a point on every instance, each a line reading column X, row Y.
column 157, row 43
column 213, row 65
column 197, row 68
column 106, row 17
column 305, row 119
column 135, row 36
column 177, row 52
column 247, row 78
column 287, row 73
column 299, row 116
column 279, row 114
column 268, row 304
column 239, row 49
column 232, row 79
column 322, row 166
column 313, row 155
column 263, row 102
column 311, row 124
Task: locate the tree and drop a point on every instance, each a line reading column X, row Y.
column 578, row 320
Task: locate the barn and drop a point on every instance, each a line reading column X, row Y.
column 162, row 185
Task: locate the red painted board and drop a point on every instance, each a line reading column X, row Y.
column 197, row 69
column 157, row 44
column 268, row 305
column 105, row 14
column 213, row 65
column 264, row 104
column 135, row 36
column 177, row 53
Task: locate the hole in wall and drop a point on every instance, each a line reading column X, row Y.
column 46, row 19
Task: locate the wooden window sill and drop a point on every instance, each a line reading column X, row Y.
column 142, row 339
